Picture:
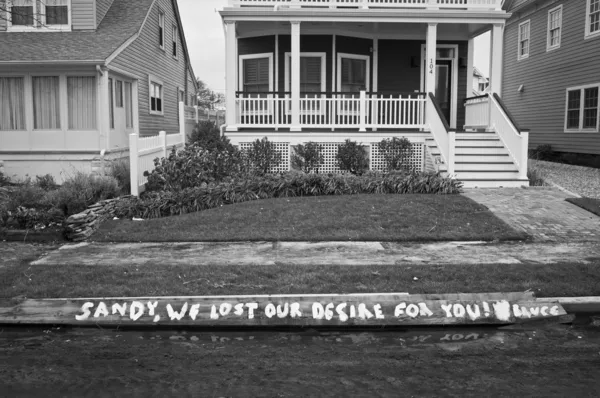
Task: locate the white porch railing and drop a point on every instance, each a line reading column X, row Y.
column 366, row 4
column 332, row 110
column 477, row 112
column 516, row 141
column 444, row 136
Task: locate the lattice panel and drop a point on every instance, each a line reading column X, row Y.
column 415, row 161
column 281, row 147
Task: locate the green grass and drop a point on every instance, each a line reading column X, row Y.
column 590, row 204
column 323, row 218
column 43, row 281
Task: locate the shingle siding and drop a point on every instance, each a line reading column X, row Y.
column 546, row 76
column 144, row 57
column 82, row 15
column 102, row 7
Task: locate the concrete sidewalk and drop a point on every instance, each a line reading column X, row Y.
column 325, row 253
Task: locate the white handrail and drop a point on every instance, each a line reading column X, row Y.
column 366, row 4
column 444, row 138
column 516, row 142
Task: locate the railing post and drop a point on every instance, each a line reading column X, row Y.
column 524, row 155
column 451, row 151
column 162, row 138
column 133, row 164
column 362, row 111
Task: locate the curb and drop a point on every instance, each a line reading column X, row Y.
column 586, row 304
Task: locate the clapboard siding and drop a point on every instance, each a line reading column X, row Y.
column 144, row 57
column 102, row 7
column 82, row 15
column 546, row 76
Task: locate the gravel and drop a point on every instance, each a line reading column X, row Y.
column 584, row 181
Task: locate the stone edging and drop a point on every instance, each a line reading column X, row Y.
column 81, row 226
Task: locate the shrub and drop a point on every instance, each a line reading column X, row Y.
column 46, row 182
column 27, row 195
column 168, row 203
column 193, row 166
column 542, row 152
column 120, row 171
column 396, row 152
column 352, row 157
column 308, row 157
column 35, row 218
column 207, row 135
column 537, row 177
column 262, row 156
column 82, row 190
column 4, row 180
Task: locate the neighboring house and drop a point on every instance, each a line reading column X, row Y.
column 480, row 82
column 552, row 72
column 78, row 76
column 367, row 70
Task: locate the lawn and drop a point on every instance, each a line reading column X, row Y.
column 323, row 218
column 44, row 281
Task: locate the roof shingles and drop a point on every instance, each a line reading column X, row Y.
column 122, row 21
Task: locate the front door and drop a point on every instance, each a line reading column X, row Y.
column 121, row 111
column 443, row 86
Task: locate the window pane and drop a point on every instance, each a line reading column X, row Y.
column 594, row 16
column 128, row 105
column 161, row 29
column 81, row 98
column 12, row 105
column 590, row 107
column 174, row 41
column 354, row 75
column 256, row 74
column 573, row 111
column 156, row 97
column 119, row 94
column 46, row 103
column 57, row 15
column 111, row 108
column 22, row 15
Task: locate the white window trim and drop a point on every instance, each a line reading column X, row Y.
column 550, row 47
column 174, row 41
column 39, row 25
column 581, row 107
column 519, row 56
column 242, row 58
column 161, row 24
column 588, row 34
column 288, row 58
column 155, row 80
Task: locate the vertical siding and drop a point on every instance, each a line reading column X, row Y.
column 143, row 58
column 547, row 75
column 82, row 15
column 102, row 7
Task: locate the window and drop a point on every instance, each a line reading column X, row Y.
column 46, row 103
column 56, row 12
column 554, row 28
column 111, row 105
column 81, row 102
column 161, row 29
column 156, row 98
column 174, row 41
column 119, row 94
column 312, row 77
column 592, row 18
column 12, row 103
column 523, row 40
column 582, row 111
column 34, row 14
column 128, row 105
column 256, row 74
column 353, row 72
column 22, row 12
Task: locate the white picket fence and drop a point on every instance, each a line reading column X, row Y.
column 143, row 151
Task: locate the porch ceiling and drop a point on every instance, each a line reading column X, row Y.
column 407, row 31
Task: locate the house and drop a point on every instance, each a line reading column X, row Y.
column 78, row 76
column 552, row 72
column 367, row 70
column 480, row 82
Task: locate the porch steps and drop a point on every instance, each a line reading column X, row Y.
column 481, row 160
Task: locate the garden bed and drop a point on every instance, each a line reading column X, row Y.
column 374, row 217
column 589, row 204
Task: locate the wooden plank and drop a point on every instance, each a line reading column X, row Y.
column 283, row 310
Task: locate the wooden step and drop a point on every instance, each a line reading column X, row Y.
column 484, row 166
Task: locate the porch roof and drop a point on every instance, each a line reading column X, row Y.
column 123, row 20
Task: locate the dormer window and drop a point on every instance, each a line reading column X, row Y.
column 38, row 15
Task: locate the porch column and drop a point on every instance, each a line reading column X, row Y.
column 430, row 51
column 496, row 55
column 103, row 108
column 295, row 70
column 470, row 64
column 231, row 76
